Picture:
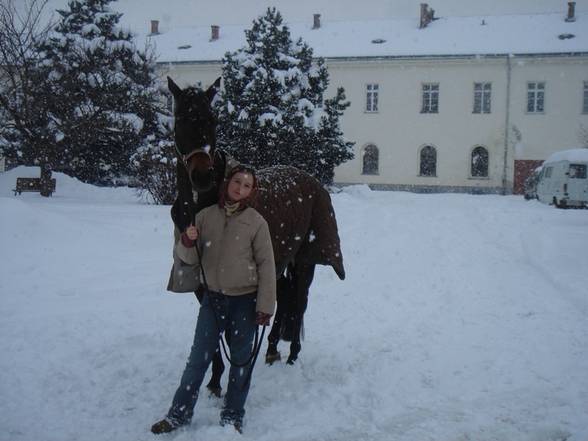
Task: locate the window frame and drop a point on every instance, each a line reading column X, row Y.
column 487, row 152
column 585, row 99
column 372, row 97
column 482, row 98
column 430, row 98
column 537, row 89
column 368, row 149
column 579, row 171
column 420, row 161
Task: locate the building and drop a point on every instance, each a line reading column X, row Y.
column 469, row 104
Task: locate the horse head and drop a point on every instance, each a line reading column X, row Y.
column 195, row 131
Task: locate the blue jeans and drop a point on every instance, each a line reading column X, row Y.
column 218, row 313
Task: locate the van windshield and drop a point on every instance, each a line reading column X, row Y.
column 578, row 171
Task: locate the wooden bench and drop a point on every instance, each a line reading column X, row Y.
column 32, row 184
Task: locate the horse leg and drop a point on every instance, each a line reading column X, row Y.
column 303, row 275
column 218, row 367
column 272, row 355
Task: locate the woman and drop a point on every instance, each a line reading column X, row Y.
column 239, row 270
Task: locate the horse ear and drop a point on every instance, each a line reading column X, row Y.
column 173, row 87
column 212, row 90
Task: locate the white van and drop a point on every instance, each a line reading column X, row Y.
column 563, row 181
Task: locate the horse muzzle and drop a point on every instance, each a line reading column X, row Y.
column 200, row 171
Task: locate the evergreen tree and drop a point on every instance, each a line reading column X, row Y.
column 107, row 104
column 154, row 165
column 271, row 110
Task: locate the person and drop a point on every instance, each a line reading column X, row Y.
column 231, row 243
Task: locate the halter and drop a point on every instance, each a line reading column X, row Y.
column 186, row 158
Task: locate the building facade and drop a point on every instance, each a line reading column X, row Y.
column 440, row 115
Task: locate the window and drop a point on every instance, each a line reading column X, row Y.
column 482, row 97
column 535, row 97
column 585, row 101
column 577, row 171
column 371, row 103
column 430, row 98
column 370, row 160
column 548, row 172
column 428, row 161
column 479, row 163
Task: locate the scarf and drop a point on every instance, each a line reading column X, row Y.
column 232, row 208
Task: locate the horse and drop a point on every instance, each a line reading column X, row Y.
column 296, row 206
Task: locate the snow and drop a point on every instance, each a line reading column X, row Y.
column 348, row 27
column 462, row 318
column 571, row 155
column 448, row 36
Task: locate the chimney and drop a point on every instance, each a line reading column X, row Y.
column 214, row 32
column 154, row 27
column 427, row 15
column 571, row 12
column 316, row 21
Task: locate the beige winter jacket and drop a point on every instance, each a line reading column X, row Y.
column 237, row 254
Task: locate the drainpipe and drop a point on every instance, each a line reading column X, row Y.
column 506, row 124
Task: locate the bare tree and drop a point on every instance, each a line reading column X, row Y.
column 24, row 125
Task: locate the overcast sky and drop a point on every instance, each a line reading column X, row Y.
column 172, row 13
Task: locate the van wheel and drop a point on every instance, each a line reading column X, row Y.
column 560, row 204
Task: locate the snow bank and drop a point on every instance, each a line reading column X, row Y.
column 66, row 188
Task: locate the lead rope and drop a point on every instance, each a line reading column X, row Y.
column 257, row 341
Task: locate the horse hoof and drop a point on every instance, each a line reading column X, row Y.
column 291, row 360
column 272, row 358
column 214, row 391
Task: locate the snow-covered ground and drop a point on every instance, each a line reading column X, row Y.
column 462, row 318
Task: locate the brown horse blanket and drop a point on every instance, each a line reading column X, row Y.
column 300, row 215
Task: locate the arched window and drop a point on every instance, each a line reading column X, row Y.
column 479, row 163
column 428, row 161
column 370, row 160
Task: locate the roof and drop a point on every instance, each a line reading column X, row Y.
column 399, row 37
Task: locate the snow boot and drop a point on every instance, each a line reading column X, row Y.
column 164, row 426
column 237, row 423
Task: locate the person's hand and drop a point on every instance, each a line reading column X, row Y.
column 189, row 236
column 262, row 318
column 192, row 232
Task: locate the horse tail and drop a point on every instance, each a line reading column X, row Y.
column 324, row 238
column 287, row 300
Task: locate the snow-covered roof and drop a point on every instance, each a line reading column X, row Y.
column 571, row 155
column 399, row 37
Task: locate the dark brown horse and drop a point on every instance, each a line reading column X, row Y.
column 295, row 205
